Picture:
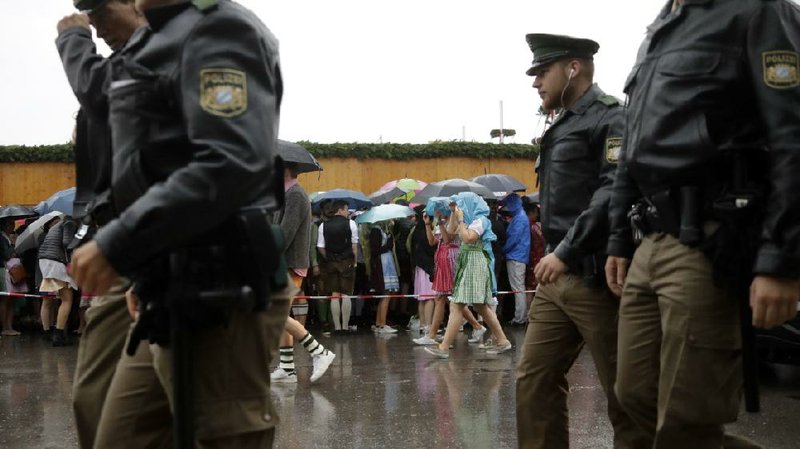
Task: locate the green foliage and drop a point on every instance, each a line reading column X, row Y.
column 507, row 132
column 39, row 153
column 395, row 151
column 433, row 150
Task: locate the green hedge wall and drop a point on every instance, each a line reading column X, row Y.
column 39, row 153
column 397, row 151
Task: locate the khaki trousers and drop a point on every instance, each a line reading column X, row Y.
column 231, row 387
column 101, row 346
column 679, row 374
column 564, row 316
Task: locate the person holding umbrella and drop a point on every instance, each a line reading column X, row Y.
column 295, row 222
column 54, row 254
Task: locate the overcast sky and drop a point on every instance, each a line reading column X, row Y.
column 359, row 71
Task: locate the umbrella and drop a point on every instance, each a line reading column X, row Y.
column 355, row 200
column 409, row 186
column 451, row 187
column 500, row 184
column 29, row 238
column 14, row 211
column 296, row 154
column 406, row 184
column 384, row 212
column 534, row 197
column 385, row 196
column 60, row 201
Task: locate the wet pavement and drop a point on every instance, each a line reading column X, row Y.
column 379, row 392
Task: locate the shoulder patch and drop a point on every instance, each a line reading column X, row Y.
column 781, row 69
column 223, row 92
column 609, row 100
column 613, row 148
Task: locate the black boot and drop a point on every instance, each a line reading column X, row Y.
column 47, row 335
column 60, row 338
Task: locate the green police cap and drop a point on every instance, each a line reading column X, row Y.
column 88, row 5
column 549, row 48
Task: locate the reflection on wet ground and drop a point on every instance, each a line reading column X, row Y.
column 380, row 392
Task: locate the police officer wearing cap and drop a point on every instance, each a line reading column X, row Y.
column 194, row 104
column 572, row 307
column 107, row 319
column 710, row 162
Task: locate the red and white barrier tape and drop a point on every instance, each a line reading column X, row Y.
column 25, row 295
column 395, row 296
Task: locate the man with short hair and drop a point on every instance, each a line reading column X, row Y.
column 88, row 73
column 572, row 308
column 194, row 106
column 337, row 241
column 708, row 183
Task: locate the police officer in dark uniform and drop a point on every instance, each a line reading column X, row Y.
column 88, row 73
column 572, row 307
column 194, row 104
column 715, row 92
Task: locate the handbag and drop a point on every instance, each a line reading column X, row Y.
column 17, row 273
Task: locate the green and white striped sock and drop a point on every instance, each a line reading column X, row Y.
column 312, row 345
column 287, row 359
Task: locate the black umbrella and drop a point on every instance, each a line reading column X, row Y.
column 451, row 187
column 355, row 200
column 500, row 184
column 534, row 197
column 384, row 196
column 294, row 153
column 15, row 211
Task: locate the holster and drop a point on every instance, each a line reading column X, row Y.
column 204, row 284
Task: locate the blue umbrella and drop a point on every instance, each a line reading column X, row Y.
column 355, row 200
column 385, row 212
column 60, row 201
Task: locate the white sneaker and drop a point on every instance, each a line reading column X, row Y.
column 488, row 344
column 413, row 324
column 477, row 335
column 386, row 330
column 280, row 376
column 353, row 328
column 424, row 330
column 499, row 349
column 321, row 363
column 373, row 328
column 424, row 341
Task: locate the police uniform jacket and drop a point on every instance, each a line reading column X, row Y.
column 576, row 170
column 194, row 106
column 88, row 74
column 712, row 77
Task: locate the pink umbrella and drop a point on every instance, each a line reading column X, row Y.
column 408, row 185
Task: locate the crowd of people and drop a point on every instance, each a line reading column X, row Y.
column 36, row 286
column 414, row 256
column 630, row 190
